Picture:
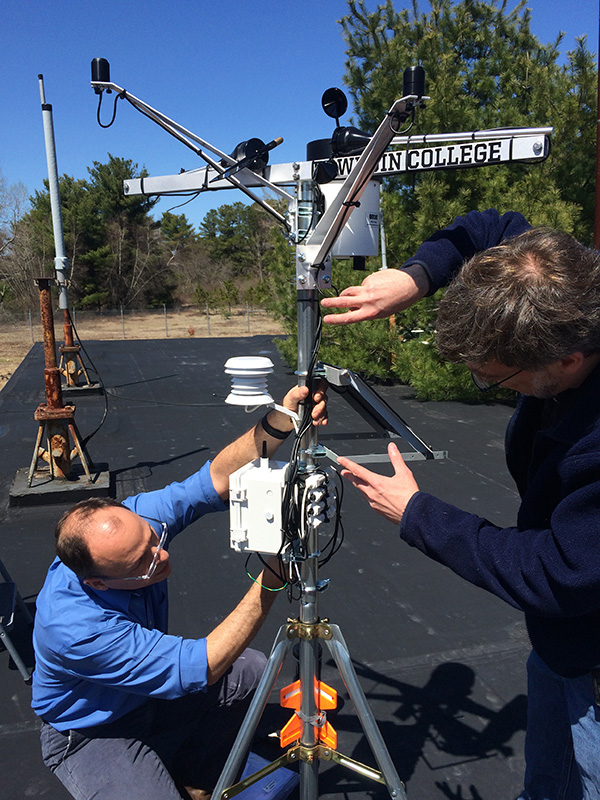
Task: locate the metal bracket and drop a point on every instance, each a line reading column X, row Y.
column 323, row 753
column 231, row 791
column 308, row 631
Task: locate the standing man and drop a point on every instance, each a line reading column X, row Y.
column 524, row 314
column 129, row 711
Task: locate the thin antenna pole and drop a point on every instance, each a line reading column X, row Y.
column 61, row 263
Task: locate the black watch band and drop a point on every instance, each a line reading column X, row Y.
column 273, row 431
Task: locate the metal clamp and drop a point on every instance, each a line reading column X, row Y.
column 308, row 631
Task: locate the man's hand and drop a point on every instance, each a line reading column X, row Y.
column 387, row 496
column 250, row 445
column 380, row 295
column 299, row 393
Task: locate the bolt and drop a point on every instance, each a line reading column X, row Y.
column 537, row 148
column 326, row 279
column 301, row 257
column 302, row 280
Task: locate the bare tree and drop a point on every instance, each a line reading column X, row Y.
column 13, row 200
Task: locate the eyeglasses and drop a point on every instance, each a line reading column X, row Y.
column 152, row 568
column 486, row 386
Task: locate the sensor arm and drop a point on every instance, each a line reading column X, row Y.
column 172, row 127
column 190, row 140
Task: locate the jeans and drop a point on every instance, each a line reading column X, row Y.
column 153, row 752
column 562, row 743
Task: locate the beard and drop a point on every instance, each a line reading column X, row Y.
column 544, row 386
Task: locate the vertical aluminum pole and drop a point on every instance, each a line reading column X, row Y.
column 61, row 262
column 382, row 241
column 308, row 321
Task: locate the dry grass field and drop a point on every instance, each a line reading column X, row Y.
column 16, row 338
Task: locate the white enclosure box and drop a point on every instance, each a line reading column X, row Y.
column 360, row 235
column 255, row 498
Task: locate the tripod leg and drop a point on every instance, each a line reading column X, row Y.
column 241, row 746
column 80, row 449
column 339, row 651
column 35, row 458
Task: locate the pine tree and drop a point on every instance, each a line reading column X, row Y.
column 484, row 69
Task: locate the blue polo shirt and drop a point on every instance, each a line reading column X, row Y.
column 100, row 654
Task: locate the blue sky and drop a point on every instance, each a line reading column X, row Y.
column 227, row 70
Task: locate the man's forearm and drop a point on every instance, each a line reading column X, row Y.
column 245, row 449
column 229, row 639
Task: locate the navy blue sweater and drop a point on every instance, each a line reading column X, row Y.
column 548, row 564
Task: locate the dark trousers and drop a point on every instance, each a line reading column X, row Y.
column 160, row 747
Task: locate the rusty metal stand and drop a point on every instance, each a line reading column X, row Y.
column 71, row 364
column 55, row 419
column 57, row 424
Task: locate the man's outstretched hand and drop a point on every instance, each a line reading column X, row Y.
column 387, row 496
column 380, row 295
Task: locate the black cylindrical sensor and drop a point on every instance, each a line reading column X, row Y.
column 413, row 81
column 100, row 70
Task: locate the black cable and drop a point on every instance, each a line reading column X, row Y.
column 118, row 396
column 333, row 542
column 114, row 110
column 291, row 514
column 191, row 195
column 100, row 381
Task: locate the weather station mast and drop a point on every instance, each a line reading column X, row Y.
column 333, row 212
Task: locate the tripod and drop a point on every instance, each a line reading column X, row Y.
column 311, row 736
column 310, row 748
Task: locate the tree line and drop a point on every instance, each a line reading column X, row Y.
column 484, row 69
column 119, row 255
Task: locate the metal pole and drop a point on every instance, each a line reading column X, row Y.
column 308, row 310
column 61, row 262
column 382, row 240
column 308, row 320
column 53, row 415
column 54, row 398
